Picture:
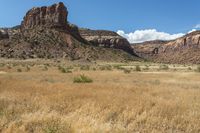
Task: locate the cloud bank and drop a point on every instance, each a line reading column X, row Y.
column 139, row 36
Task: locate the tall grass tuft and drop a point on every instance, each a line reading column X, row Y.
column 82, row 79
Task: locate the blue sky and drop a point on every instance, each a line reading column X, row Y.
column 169, row 16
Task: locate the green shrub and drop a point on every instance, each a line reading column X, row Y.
column 108, row 67
column 64, row 70
column 82, row 79
column 85, row 68
column 137, row 68
column 2, row 65
column 119, row 67
column 164, row 67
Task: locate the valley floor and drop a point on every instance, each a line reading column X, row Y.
column 39, row 96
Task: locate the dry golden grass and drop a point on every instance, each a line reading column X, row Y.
column 48, row 101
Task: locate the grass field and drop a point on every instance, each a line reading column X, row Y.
column 43, row 96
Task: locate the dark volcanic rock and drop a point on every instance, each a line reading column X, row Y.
column 52, row 16
column 106, row 39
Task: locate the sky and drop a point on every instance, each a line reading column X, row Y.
column 136, row 20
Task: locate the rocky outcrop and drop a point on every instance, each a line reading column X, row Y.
column 46, row 33
column 106, row 39
column 148, row 49
column 3, row 34
column 182, row 50
column 52, row 16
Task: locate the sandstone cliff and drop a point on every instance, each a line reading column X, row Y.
column 106, row 39
column 46, row 33
column 182, row 50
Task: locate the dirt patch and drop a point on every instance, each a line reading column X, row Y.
column 2, row 72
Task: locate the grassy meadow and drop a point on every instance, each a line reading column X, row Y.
column 38, row 96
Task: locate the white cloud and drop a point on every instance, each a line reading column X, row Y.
column 197, row 26
column 192, row 30
column 148, row 35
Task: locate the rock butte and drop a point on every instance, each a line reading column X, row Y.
column 52, row 16
column 46, row 33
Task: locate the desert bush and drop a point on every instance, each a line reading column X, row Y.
column 107, row 67
column 82, row 79
column 19, row 70
column 119, row 67
column 2, row 65
column 127, row 71
column 198, row 69
column 64, row 70
column 45, row 68
column 189, row 68
column 94, row 69
column 28, row 68
column 137, row 68
column 85, row 67
column 146, row 67
column 163, row 67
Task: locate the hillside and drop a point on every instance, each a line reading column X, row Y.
column 46, row 33
column 182, row 50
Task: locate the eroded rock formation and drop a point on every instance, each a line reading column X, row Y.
column 182, row 50
column 52, row 16
column 106, row 39
column 46, row 33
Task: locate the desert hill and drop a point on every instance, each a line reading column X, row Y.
column 182, row 50
column 46, row 33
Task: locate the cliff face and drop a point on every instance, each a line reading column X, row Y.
column 106, row 39
column 52, row 16
column 182, row 50
column 46, row 33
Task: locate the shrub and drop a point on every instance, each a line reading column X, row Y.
column 146, row 67
column 164, row 67
column 198, row 69
column 64, row 70
column 19, row 70
column 108, row 67
column 127, row 71
column 189, row 68
column 82, row 79
column 85, row 68
column 2, row 65
column 28, row 68
column 45, row 68
column 119, row 67
column 137, row 68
